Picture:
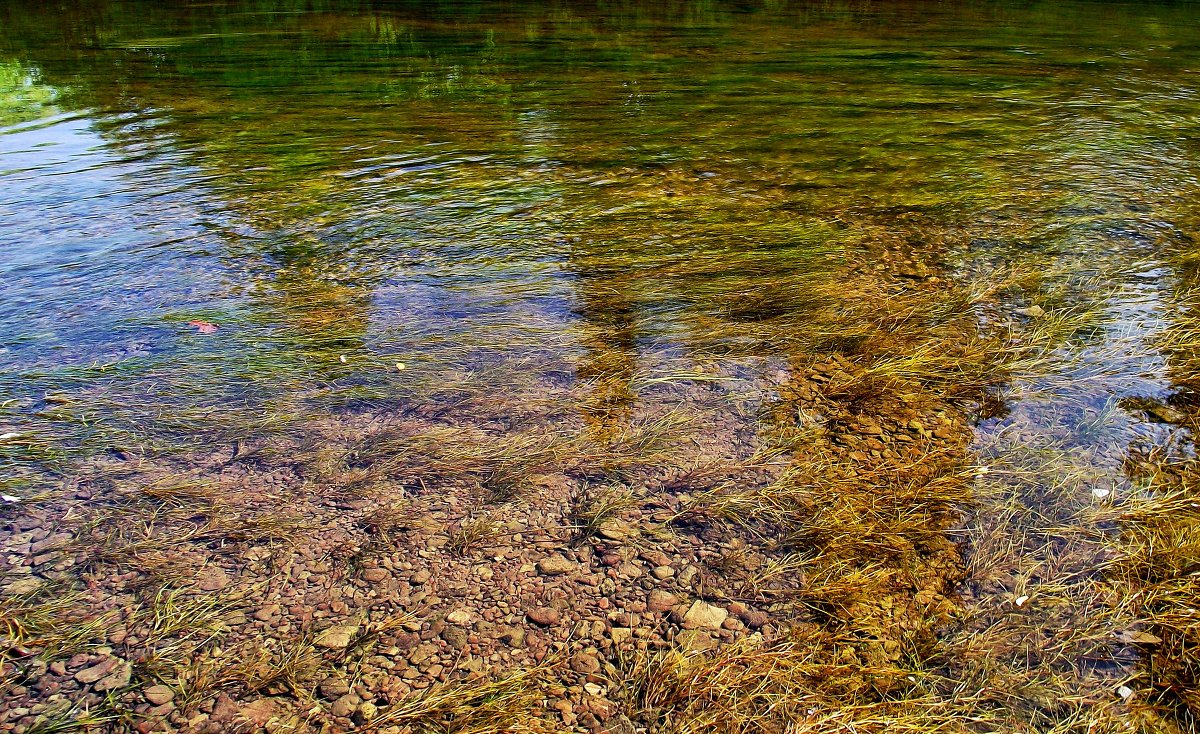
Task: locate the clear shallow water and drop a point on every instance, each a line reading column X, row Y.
column 419, row 205
column 342, row 186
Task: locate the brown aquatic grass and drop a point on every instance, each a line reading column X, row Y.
column 509, row 704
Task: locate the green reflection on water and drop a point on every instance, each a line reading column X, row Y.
column 345, row 185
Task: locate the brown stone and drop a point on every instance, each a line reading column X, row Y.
column 345, row 706
column 661, row 601
column 455, row 637
column 334, row 687
column 555, row 565
column 582, row 662
column 260, row 711
column 96, row 672
column 224, row 709
column 695, row 640
column 704, row 615
column 267, row 612
column 337, row 637
column 754, row 618
column 545, row 616
column 212, row 579
column 159, row 694
column 513, row 636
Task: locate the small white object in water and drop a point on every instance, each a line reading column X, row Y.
column 9, row 498
column 1100, row 493
column 1020, row 600
column 9, row 436
column 1125, row 692
column 400, row 365
column 342, row 357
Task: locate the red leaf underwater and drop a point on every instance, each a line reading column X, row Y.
column 204, row 327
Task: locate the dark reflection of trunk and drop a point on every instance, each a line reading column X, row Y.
column 609, row 316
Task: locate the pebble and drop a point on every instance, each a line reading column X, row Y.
column 661, row 601
column 582, row 662
column 23, row 586
column 555, row 565
column 334, row 687
column 345, row 706
column 614, row 530
column 260, row 711
column 94, row 673
column 267, row 613
column 212, row 579
column 695, row 640
column 1033, row 312
column 158, row 694
column 459, row 616
column 545, row 616
column 704, row 615
column 755, row 619
column 337, row 637
column 455, row 637
column 117, row 679
column 367, row 711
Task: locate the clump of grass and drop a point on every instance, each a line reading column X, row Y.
column 54, row 622
column 593, row 508
column 180, row 492
column 506, row 481
column 473, row 533
column 1160, row 569
column 509, row 704
column 69, row 719
column 274, row 666
column 387, row 519
column 802, row 684
column 279, row 526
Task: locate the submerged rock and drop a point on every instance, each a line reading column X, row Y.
column 159, row 694
column 337, row 637
column 1033, row 312
column 661, row 601
column 545, row 616
column 1166, row 414
column 704, row 615
column 555, row 565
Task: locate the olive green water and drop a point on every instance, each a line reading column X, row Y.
column 344, row 186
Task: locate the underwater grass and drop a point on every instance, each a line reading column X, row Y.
column 1034, row 644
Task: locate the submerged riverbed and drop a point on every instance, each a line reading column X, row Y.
column 470, row 367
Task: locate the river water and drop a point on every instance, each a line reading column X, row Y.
column 372, row 201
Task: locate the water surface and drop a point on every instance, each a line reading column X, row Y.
column 397, row 204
